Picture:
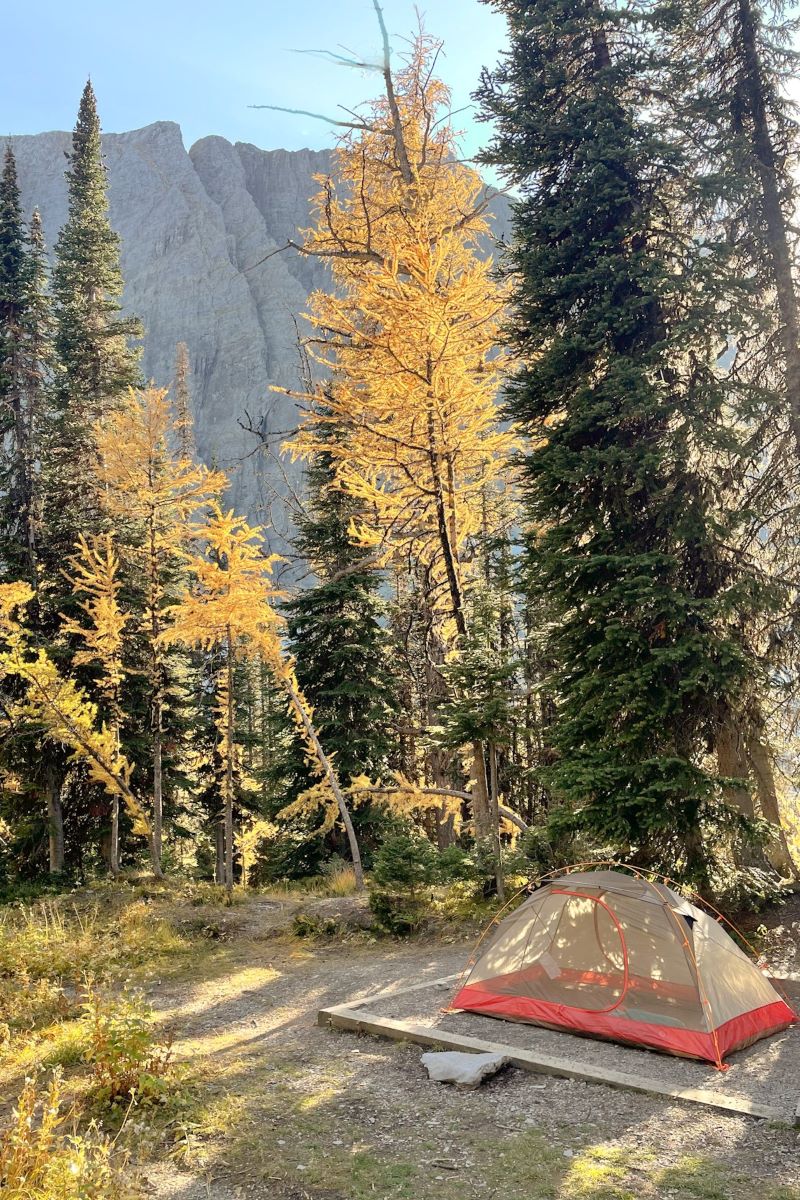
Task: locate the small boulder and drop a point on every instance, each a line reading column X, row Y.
column 461, row 1068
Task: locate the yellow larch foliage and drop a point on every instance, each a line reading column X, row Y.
column 152, row 489
column 230, row 606
column 406, row 798
column 145, row 478
column 232, row 594
column 95, row 574
column 409, row 332
column 59, row 705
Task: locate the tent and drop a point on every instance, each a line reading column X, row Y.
column 615, row 956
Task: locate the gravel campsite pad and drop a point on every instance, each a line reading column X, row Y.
column 765, row 1073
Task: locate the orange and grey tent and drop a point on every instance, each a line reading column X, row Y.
column 615, row 956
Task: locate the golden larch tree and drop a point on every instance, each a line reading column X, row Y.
column 229, row 608
column 409, row 333
column 152, row 487
column 59, row 705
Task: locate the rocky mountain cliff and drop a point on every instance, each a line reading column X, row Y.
column 193, row 224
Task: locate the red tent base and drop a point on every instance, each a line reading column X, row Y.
column 711, row 1047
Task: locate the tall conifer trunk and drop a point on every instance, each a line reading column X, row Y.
column 744, row 140
column 219, row 849
column 229, row 736
column 55, row 820
column 113, row 844
column 775, row 222
column 618, row 310
column 482, row 810
column 156, row 683
column 158, row 801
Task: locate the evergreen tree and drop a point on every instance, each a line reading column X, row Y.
column 731, row 103
column 25, row 362
column 93, row 368
column 151, row 494
column 337, row 637
column 24, row 344
column 617, row 317
column 97, row 365
column 95, row 362
column 739, row 134
column 479, row 705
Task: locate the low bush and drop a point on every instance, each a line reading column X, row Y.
column 406, row 861
column 399, row 913
column 307, row 925
column 405, row 868
column 129, row 1063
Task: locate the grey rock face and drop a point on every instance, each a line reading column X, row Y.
column 195, row 227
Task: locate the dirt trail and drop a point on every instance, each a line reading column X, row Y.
column 298, row 1094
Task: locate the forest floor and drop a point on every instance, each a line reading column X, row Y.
column 272, row 1107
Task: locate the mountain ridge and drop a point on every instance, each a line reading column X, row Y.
column 197, row 229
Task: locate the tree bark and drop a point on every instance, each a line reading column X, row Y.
column 113, row 844
column 481, row 804
column 760, row 760
column 495, row 811
column 774, row 220
column 158, row 801
column 219, row 850
column 732, row 764
column 330, row 775
column 55, row 821
column 743, row 754
column 229, row 778
column 157, row 683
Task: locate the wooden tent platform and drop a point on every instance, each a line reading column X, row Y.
column 355, row 1016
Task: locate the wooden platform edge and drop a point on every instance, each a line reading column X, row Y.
column 350, row 1017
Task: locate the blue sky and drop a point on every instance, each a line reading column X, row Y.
column 202, row 62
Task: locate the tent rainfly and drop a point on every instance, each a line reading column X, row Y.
column 614, row 956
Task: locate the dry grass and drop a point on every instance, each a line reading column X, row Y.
column 341, row 881
column 44, row 1157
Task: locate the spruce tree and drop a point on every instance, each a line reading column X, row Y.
column 617, row 320
column 93, row 368
column 24, row 352
column 336, row 634
column 739, row 131
column 730, row 101
column 95, row 364
column 25, row 365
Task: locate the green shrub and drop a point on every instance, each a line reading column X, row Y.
column 310, row 926
column 405, row 861
column 456, row 865
column 398, row 913
column 404, row 869
column 128, row 1062
column 286, row 854
column 739, row 889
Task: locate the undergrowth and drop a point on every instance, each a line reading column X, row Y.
column 48, row 949
column 44, row 1157
column 129, row 1062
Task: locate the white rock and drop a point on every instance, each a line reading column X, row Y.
column 461, row 1068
